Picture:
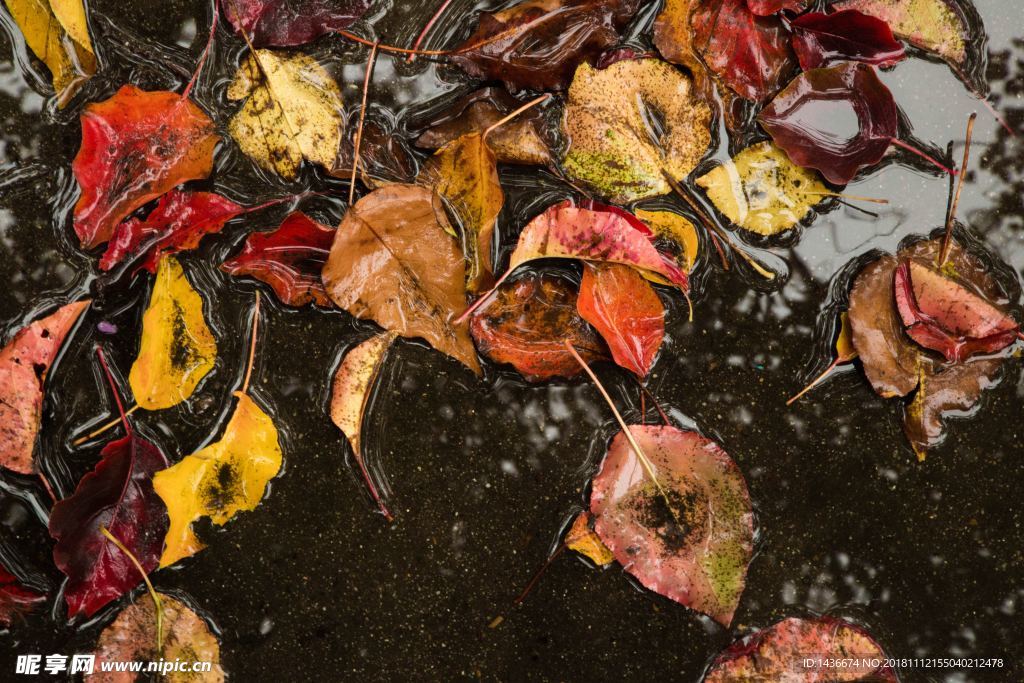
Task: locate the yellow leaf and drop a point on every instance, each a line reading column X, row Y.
column 293, row 111
column 585, row 541
column 225, row 478
column 761, row 190
column 57, row 32
column 465, row 174
column 845, row 350
column 676, row 229
column 937, row 26
column 177, row 348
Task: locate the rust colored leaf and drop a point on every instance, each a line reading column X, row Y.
column 16, row 600
column 582, row 539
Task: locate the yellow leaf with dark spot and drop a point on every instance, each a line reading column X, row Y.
column 676, row 229
column 225, row 478
column 294, row 111
column 177, row 348
column 584, row 540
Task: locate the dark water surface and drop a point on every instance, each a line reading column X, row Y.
column 314, row 585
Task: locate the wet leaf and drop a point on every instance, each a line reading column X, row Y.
column 178, row 223
column 567, row 231
column 695, row 552
column 132, row 637
column 527, row 324
column 57, row 32
column 117, row 494
column 761, row 190
column 673, row 35
column 518, row 141
column 806, row 120
column 775, row 653
column 289, row 259
column 763, row 8
column 177, row 348
column 820, row 39
column 677, row 230
column 136, row 146
column 283, row 23
column 629, row 124
column 582, row 539
column 750, row 54
column 15, row 599
column 24, row 364
column 393, row 262
column 465, row 175
column 626, row 311
column 227, row 477
column 383, row 155
column 293, row 111
column 537, row 44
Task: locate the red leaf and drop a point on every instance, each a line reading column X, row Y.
column 289, row 259
column 136, row 146
column 15, row 599
column 639, row 225
column 626, row 311
column 178, row 223
column 281, row 23
column 819, row 39
column 24, row 364
column 750, row 54
column 836, row 120
column 527, row 324
column 118, row 494
column 943, row 315
column 763, row 8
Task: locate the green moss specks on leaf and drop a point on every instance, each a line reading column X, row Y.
column 610, row 175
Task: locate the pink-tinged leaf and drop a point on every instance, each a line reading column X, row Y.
column 764, row 8
column 289, row 259
column 750, row 54
column 819, row 39
column 943, row 315
column 118, row 494
column 15, row 600
column 568, row 231
column 637, row 224
column 626, row 311
column 778, row 653
column 24, row 364
column 282, row 23
column 812, row 120
column 695, row 547
column 178, row 223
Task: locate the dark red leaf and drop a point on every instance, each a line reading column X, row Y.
column 837, row 120
column 178, row 223
column 15, row 599
column 750, row 54
column 626, row 311
column 943, row 315
column 136, row 146
column 289, row 259
column 537, row 44
column 280, row 23
column 118, row 494
column 527, row 324
column 763, row 8
column 819, row 39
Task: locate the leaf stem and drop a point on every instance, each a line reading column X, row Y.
column 370, row 63
column 998, row 117
column 102, row 428
column 852, row 197
column 817, row 380
column 426, row 30
column 391, row 48
column 252, row 344
column 539, row 573
column 947, row 241
column 149, row 586
column 206, row 53
column 532, row 103
column 113, row 389
column 46, row 485
column 929, row 159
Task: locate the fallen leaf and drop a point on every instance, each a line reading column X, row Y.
column 537, row 44
column 677, row 230
column 16, row 600
column 289, row 259
column 582, row 539
column 778, row 653
column 293, row 111
column 393, row 262
column 631, row 123
column 673, row 35
column 24, row 364
column 761, row 190
column 227, row 477
column 626, row 311
column 763, row 8
column 750, row 54
column 57, row 32
column 283, row 23
column 695, row 553
column 350, row 394
column 178, row 223
column 810, row 120
column 518, row 141
column 383, row 155
column 527, row 323
column 820, row 39
column 132, row 637
column 465, row 175
column 177, row 348
column 136, row 146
